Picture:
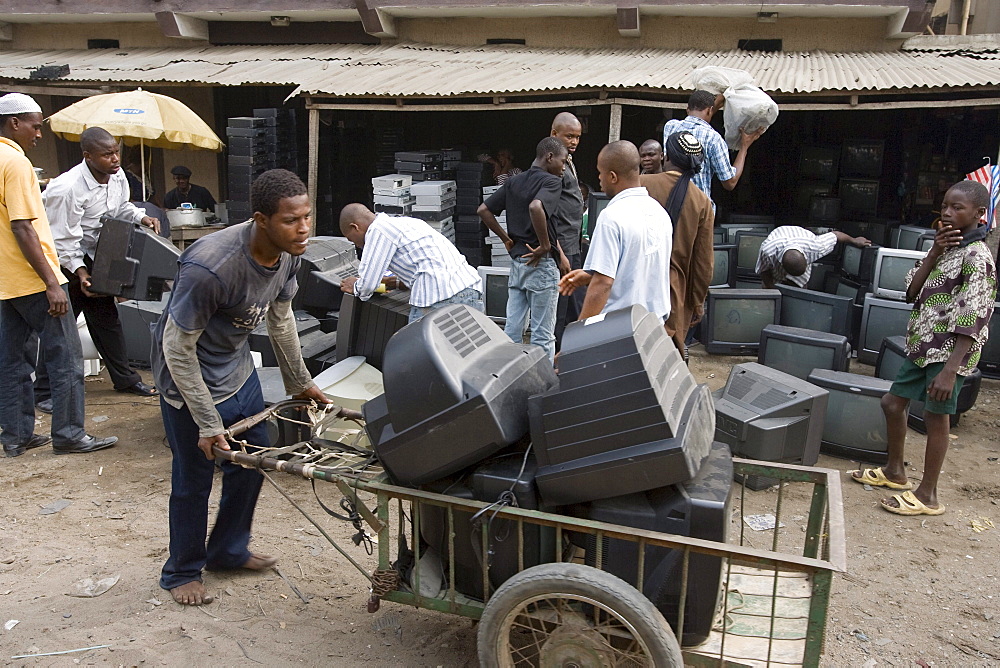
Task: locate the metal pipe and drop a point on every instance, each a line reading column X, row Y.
column 966, row 8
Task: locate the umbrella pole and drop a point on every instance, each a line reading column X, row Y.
column 142, row 158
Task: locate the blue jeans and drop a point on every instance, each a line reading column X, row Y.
column 533, row 290
column 59, row 339
column 469, row 296
column 191, row 484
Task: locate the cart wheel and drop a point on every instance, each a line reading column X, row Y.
column 570, row 615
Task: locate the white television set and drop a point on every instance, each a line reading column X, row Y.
column 494, row 289
column 891, row 267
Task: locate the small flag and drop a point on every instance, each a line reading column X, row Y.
column 989, row 176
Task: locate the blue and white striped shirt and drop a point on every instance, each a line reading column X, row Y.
column 418, row 255
column 789, row 237
column 716, row 151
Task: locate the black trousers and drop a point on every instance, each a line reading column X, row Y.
column 101, row 315
column 568, row 308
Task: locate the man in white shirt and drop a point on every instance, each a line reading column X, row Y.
column 788, row 253
column 418, row 256
column 75, row 201
column 629, row 258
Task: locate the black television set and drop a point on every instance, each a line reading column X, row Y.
column 325, row 263
column 854, row 427
column 875, row 231
column 698, row 508
column 822, row 273
column 797, row 350
column 858, row 197
column 132, row 261
column 766, row 414
column 748, row 244
column 456, row 391
column 365, row 327
column 891, row 355
column 753, row 219
column 989, row 356
column 811, row 309
column 819, row 163
column 862, row 158
column 732, row 228
column 734, row 319
column 880, row 318
column 596, row 203
column 907, row 237
column 859, row 263
column 926, row 241
column 718, row 236
column 805, row 191
column 824, row 208
column 724, row 268
column 627, row 415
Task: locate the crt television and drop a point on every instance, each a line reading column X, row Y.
column 854, row 427
column 596, row 204
column 906, row 237
column 880, row 318
column 326, row 262
column 724, row 269
column 732, row 228
column 132, row 261
column 766, row 414
column 734, row 319
column 819, row 163
column 858, row 263
column 494, row 290
column 858, row 197
column 811, row 309
column 748, row 244
column 889, row 272
column 797, row 351
column 989, row 357
column 718, row 236
column 862, row 158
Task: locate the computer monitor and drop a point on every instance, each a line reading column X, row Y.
column 326, row 262
column 596, row 203
column 724, row 269
column 132, row 261
column 811, row 309
column 854, row 427
column 879, row 319
column 858, row 263
column 494, row 289
column 748, row 244
column 989, row 356
column 734, row 319
column 766, row 414
column 797, row 350
column 858, row 197
column 906, row 237
column 718, row 236
column 862, row 158
column 889, row 272
column 819, row 163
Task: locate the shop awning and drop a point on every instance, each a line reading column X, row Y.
column 435, row 71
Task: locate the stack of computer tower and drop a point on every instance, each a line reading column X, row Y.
column 451, row 158
column 281, row 133
column 387, row 142
column 498, row 253
column 814, row 193
column 434, row 203
column 470, row 233
column 249, row 156
column 420, row 165
column 391, row 194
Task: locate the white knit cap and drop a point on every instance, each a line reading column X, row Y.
column 18, row 103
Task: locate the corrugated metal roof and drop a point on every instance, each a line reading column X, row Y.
column 401, row 70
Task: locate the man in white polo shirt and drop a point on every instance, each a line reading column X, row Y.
column 629, row 258
column 420, row 257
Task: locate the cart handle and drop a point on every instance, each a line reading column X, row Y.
column 246, row 423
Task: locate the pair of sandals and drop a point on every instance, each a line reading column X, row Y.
column 906, row 503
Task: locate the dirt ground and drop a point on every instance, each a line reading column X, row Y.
column 919, row 592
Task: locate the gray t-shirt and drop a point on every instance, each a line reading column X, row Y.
column 221, row 289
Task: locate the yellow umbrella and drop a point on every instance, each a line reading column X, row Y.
column 139, row 117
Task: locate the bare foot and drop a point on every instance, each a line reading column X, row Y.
column 260, row 562
column 191, row 593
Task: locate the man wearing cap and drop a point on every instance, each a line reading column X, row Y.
column 187, row 192
column 33, row 298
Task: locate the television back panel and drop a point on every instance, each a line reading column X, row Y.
column 698, row 508
column 989, row 357
column 325, row 263
column 364, row 328
column 797, row 351
column 627, row 416
column 855, row 426
column 138, row 319
column 132, row 261
column 879, row 319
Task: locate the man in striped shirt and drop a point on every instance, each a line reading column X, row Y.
column 788, row 253
column 419, row 257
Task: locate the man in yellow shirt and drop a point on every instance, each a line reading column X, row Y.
column 33, row 298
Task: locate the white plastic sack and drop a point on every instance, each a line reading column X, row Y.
column 717, row 79
column 747, row 107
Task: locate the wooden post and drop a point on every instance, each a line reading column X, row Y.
column 313, row 176
column 615, row 129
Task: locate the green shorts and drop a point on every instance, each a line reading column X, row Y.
column 912, row 382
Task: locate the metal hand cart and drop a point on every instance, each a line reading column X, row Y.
column 785, row 545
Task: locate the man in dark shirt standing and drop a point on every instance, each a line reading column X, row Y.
column 530, row 198
column 568, row 219
column 187, row 192
column 651, row 157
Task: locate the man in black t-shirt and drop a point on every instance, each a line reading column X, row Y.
column 531, row 200
column 187, row 192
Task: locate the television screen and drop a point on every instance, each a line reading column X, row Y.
column 850, row 260
column 854, row 426
column 732, row 228
column 740, row 319
column 815, row 310
column 724, row 269
column 858, row 196
column 596, row 203
column 494, row 289
column 925, row 242
column 862, row 158
column 847, row 288
column 718, row 236
column 818, row 163
column 797, row 358
column 747, row 250
column 890, row 272
column 824, row 208
column 891, row 355
column 908, row 236
column 881, row 318
column 806, row 190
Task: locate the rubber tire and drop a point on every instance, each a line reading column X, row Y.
column 582, row 580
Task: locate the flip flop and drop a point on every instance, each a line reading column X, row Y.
column 910, row 505
column 876, row 478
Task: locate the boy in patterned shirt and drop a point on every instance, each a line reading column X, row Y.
column 953, row 290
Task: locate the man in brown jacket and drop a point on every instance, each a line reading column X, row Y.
column 691, row 260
